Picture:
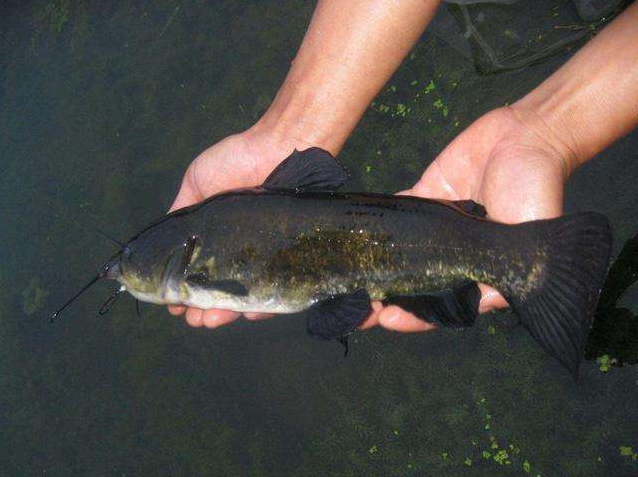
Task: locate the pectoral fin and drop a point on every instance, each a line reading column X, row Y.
column 338, row 316
column 232, row 287
column 457, row 308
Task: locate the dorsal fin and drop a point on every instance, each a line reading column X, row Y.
column 310, row 170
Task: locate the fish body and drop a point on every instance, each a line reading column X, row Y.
column 289, row 250
column 297, row 244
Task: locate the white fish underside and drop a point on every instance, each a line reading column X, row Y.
column 205, row 299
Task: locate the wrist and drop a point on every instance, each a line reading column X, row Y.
column 299, row 118
column 543, row 120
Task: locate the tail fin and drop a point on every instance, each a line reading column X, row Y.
column 559, row 311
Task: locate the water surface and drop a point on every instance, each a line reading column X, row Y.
column 102, row 108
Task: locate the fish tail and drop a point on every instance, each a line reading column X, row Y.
column 558, row 309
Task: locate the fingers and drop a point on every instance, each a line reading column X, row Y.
column 186, row 196
column 394, row 318
column 490, row 299
column 373, row 317
column 176, row 310
column 215, row 318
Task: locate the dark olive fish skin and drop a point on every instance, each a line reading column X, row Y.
column 312, row 245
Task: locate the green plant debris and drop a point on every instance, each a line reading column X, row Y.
column 509, row 34
column 430, row 87
column 628, row 451
column 501, row 456
column 368, row 169
column 373, row 450
column 490, row 329
column 444, row 455
column 468, row 461
column 438, row 104
column 33, row 297
column 414, row 83
column 527, row 467
column 605, row 363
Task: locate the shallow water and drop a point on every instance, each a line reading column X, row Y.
column 101, row 111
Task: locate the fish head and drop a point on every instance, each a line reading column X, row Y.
column 150, row 264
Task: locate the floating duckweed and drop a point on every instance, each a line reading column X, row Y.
column 501, row 456
column 395, row 432
column 373, row 449
column 444, row 455
column 430, row 87
column 401, row 109
column 468, row 461
column 527, row 467
column 392, row 88
column 486, row 454
column 33, row 297
column 438, row 104
column 605, row 363
column 368, row 169
column 490, row 329
column 628, row 452
column 414, row 83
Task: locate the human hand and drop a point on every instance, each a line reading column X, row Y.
column 503, row 163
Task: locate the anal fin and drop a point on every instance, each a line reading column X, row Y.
column 457, row 308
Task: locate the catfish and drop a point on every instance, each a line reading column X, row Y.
column 296, row 244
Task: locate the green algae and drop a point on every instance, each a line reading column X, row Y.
column 33, row 297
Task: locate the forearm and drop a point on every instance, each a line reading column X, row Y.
column 350, row 50
column 592, row 100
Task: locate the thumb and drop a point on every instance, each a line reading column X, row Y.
column 186, row 196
